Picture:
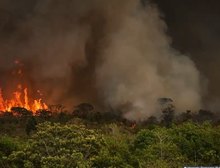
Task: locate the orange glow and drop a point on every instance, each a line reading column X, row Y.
column 133, row 125
column 21, row 98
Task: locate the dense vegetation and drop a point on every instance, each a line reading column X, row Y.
column 91, row 139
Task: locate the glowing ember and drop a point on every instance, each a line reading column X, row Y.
column 21, row 98
column 133, row 126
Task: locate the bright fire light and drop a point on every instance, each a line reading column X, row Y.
column 20, row 98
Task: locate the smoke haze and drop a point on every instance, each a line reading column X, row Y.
column 194, row 27
column 108, row 53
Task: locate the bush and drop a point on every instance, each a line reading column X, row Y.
column 56, row 145
column 7, row 146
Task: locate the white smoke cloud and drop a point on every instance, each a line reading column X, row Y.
column 140, row 66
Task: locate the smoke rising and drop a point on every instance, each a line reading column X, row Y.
column 140, row 67
column 194, row 27
column 108, row 53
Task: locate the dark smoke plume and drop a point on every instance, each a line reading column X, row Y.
column 110, row 53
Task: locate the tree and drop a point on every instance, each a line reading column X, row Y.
column 198, row 142
column 44, row 114
column 56, row 145
column 21, row 112
column 117, row 151
column 168, row 115
column 7, row 146
column 31, row 125
column 58, row 108
column 155, row 148
column 150, row 122
column 204, row 115
column 185, row 116
column 168, row 110
column 83, row 110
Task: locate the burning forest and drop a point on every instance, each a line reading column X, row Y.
column 99, row 83
column 75, row 52
column 20, row 98
column 20, row 95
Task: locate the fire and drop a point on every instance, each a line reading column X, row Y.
column 20, row 98
column 133, row 126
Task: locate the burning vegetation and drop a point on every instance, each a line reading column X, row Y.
column 21, row 98
column 124, row 97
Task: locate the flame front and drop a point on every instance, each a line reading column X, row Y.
column 21, row 98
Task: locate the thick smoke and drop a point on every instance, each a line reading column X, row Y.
column 194, row 27
column 140, row 66
column 109, row 53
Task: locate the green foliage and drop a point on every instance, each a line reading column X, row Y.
column 56, row 145
column 186, row 144
column 72, row 145
column 154, row 147
column 198, row 142
column 7, row 146
column 117, row 151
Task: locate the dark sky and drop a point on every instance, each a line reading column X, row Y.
column 194, row 26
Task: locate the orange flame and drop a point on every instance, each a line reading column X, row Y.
column 21, row 99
